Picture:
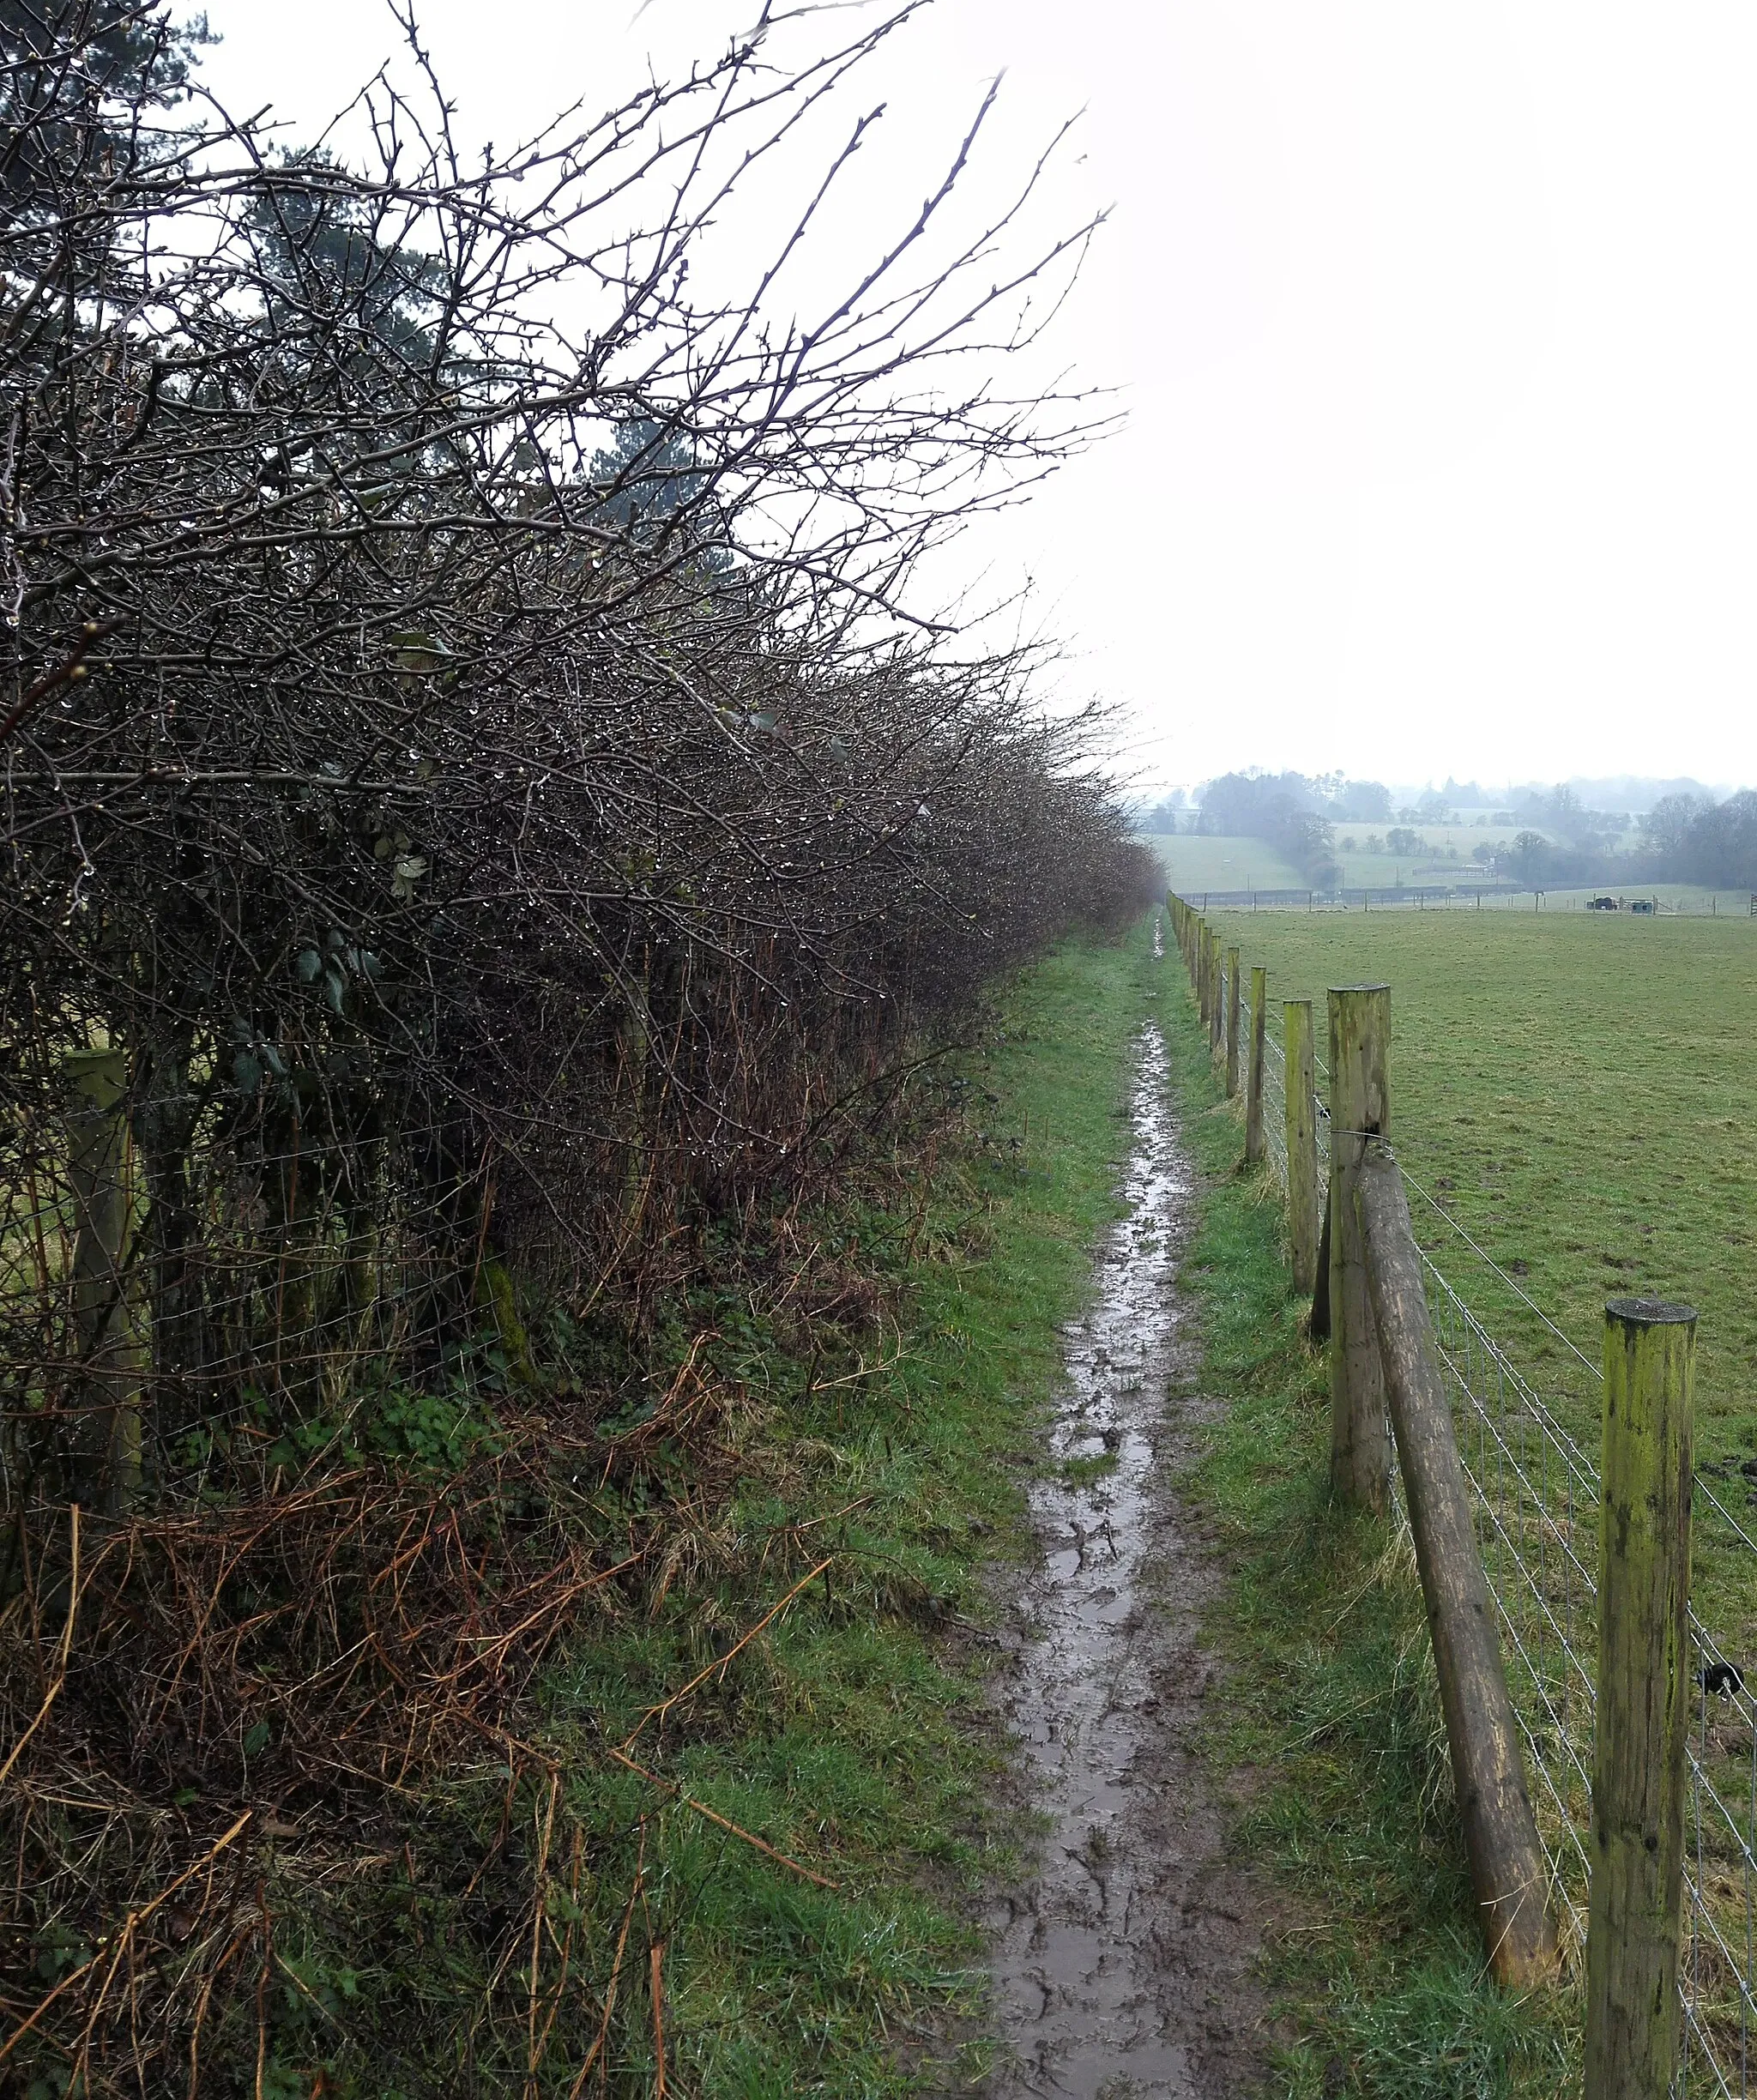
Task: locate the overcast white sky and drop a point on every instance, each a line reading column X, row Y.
column 1437, row 329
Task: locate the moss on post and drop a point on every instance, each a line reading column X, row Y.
column 1635, row 1910
column 104, row 1440
column 1301, row 1110
column 1231, row 1024
column 1254, row 1066
column 1359, row 1110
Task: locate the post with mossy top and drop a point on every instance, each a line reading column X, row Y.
column 1253, row 1067
column 1635, row 1908
column 1301, row 1108
column 1231, row 1024
column 1359, row 1110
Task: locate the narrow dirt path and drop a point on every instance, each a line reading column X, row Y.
column 1124, row 1968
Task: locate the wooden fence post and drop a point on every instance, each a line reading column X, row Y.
column 1635, row 1907
column 1217, row 1009
column 105, row 1441
column 1203, row 939
column 1231, row 1024
column 1508, row 1870
column 1301, row 1077
column 1253, row 1069
column 1359, row 1110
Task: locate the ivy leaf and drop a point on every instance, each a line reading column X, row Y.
column 309, row 963
column 407, row 872
column 246, row 1073
column 335, row 990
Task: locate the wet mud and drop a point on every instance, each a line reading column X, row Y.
column 1125, row 1966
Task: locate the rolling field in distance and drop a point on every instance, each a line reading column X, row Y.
column 1578, row 1091
column 1193, row 863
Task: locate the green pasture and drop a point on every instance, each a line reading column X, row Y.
column 1194, row 864
column 1361, row 870
column 1576, row 1088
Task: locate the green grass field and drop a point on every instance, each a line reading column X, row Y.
column 1373, row 871
column 1577, row 1090
column 1193, row 865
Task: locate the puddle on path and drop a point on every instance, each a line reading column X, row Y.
column 1124, row 1969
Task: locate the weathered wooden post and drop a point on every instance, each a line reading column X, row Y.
column 1216, row 989
column 1253, row 1069
column 1359, row 1110
column 1231, row 1024
column 1635, row 1908
column 104, row 1443
column 1508, row 1871
column 1209, row 982
column 1302, row 1106
column 1204, row 940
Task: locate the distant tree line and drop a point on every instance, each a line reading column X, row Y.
column 1691, row 838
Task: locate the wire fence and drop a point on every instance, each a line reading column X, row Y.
column 1275, row 1097
column 1536, row 1490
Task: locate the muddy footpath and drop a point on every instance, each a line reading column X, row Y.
column 1124, row 1966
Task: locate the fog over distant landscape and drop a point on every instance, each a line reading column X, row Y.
column 1328, row 829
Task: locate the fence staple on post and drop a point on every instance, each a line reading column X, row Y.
column 1635, row 1905
column 1508, row 1871
column 1253, row 1068
column 1360, row 1109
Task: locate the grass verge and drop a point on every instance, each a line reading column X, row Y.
column 813, row 1507
column 847, row 1737
column 1332, row 1702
